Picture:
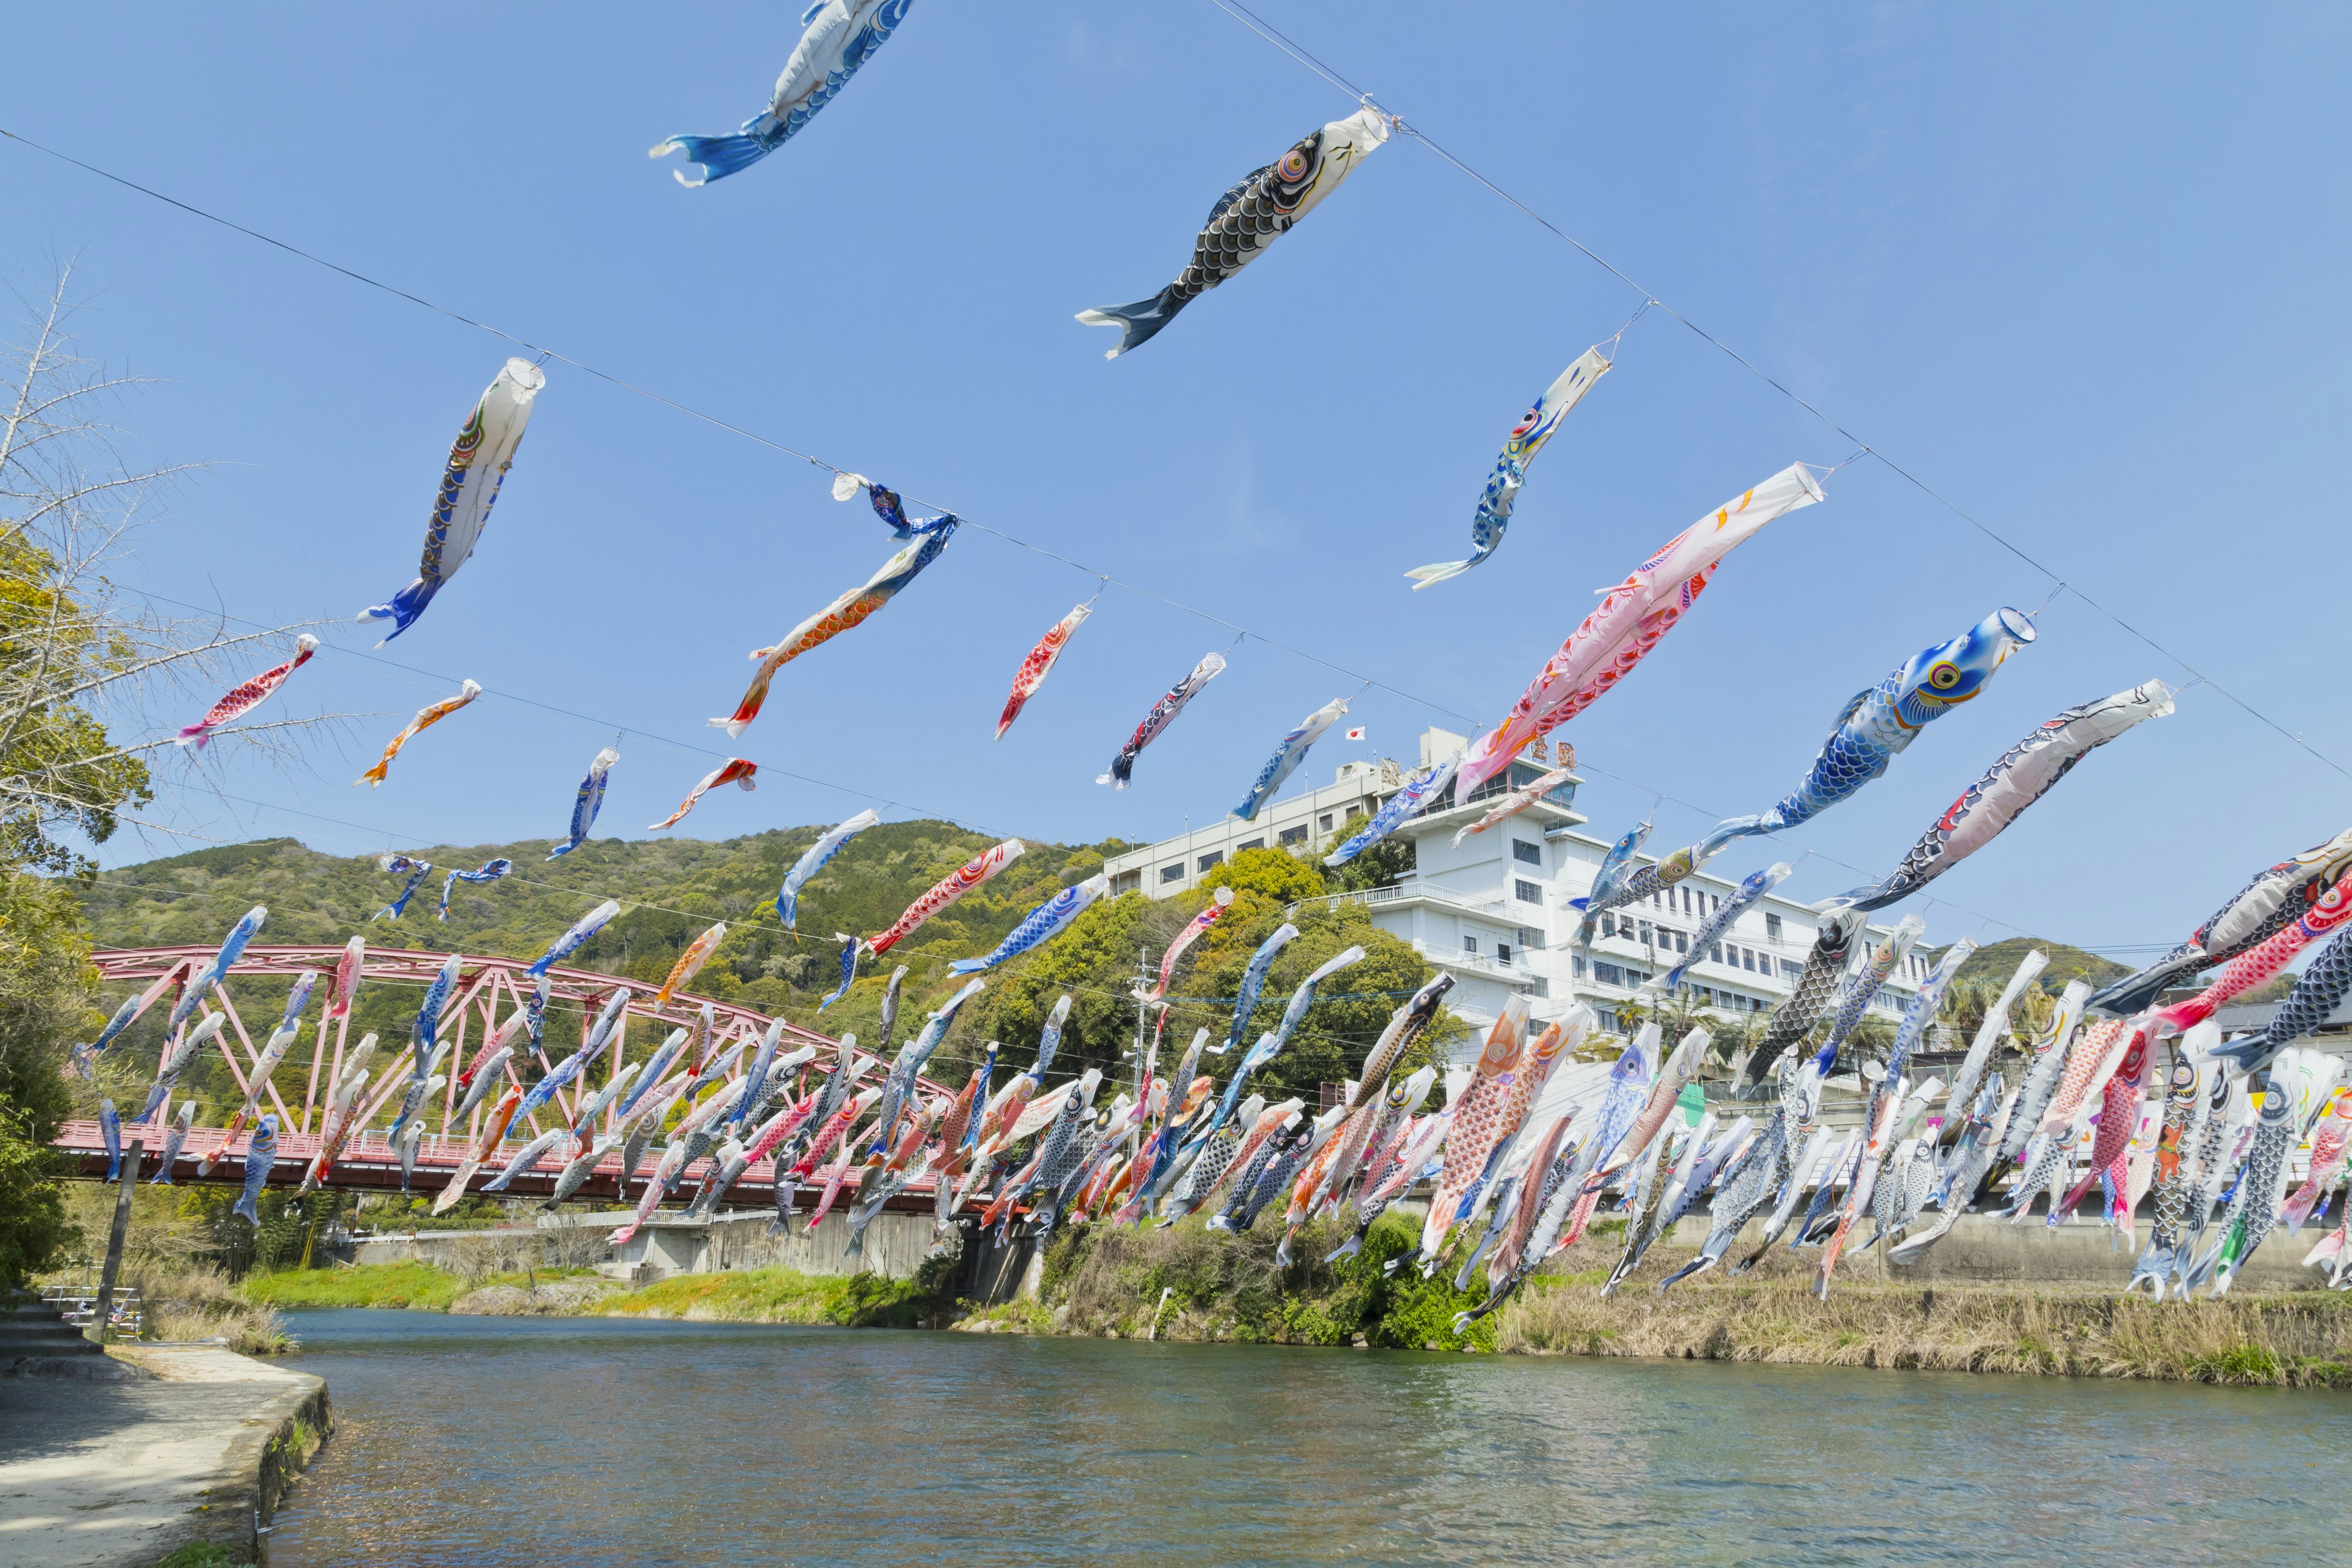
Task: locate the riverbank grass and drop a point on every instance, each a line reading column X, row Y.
column 2301, row 1339
column 782, row 1296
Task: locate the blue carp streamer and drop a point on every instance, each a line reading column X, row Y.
column 840, row 36
column 587, row 803
column 1877, row 724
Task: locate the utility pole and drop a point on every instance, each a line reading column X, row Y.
column 115, row 1238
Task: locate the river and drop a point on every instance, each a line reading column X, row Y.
column 464, row 1440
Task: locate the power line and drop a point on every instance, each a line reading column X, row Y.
column 1272, row 35
column 813, row 461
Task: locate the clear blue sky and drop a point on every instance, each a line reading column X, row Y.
column 2081, row 268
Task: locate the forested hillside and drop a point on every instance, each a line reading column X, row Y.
column 671, row 891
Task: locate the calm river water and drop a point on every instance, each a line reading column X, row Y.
column 524, row 1441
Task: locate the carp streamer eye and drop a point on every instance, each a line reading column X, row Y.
column 1944, row 676
column 1292, row 167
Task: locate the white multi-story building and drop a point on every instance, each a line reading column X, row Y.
column 1495, row 910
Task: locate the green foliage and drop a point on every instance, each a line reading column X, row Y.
column 43, row 978
column 784, row 1296
column 1384, row 864
column 420, row 1286
column 1229, row 1287
column 1275, row 874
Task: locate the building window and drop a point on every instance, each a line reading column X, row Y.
column 1249, row 844
column 1747, row 960
column 1608, row 925
column 1609, row 974
column 1526, row 892
column 1503, row 953
column 1289, row 835
column 1577, row 966
column 1325, row 821
column 1686, row 900
column 1532, row 854
column 1791, row 973
column 1772, row 928
column 1716, row 953
column 1213, row 859
column 1531, row 939
column 1645, row 938
column 1539, row 986
column 1173, row 873
column 1681, row 941
column 1469, row 944
column 1127, row 882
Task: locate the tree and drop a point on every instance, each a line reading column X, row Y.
column 76, row 655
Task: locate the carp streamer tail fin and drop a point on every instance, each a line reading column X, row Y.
column 1138, row 322
column 719, row 156
column 1724, row 832
column 402, row 608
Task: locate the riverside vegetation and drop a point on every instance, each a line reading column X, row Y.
column 1184, row 1283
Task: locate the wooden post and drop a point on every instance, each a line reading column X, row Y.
column 116, row 1237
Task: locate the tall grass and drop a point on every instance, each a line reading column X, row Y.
column 2303, row 1340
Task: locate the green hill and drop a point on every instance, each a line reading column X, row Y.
column 672, row 889
column 1996, row 962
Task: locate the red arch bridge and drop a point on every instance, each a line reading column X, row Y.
column 487, row 988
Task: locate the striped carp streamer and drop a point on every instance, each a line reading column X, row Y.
column 926, row 540
column 491, row 871
column 417, row 871
column 2257, row 912
column 1519, row 448
column 2264, row 959
column 1163, row 714
column 1878, row 722
column 478, row 466
column 689, row 963
column 1248, row 219
column 1633, row 617
column 1253, row 982
column 1041, row 924
column 587, row 802
column 1288, row 753
column 243, row 698
column 788, row 898
column 839, row 36
column 736, row 771
column 849, row 969
column 425, row 718
column 2018, row 777
column 1401, row 804
column 946, row 891
column 1040, row 664
column 570, row 942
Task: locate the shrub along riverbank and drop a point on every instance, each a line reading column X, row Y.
column 1184, row 1283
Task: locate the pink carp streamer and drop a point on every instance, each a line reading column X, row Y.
column 947, row 890
column 1192, row 932
column 2264, row 959
column 1633, row 615
column 425, row 718
column 737, row 771
column 1039, row 664
column 244, row 698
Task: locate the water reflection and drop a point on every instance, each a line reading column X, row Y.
column 496, row 1441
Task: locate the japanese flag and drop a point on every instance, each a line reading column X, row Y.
column 1357, row 733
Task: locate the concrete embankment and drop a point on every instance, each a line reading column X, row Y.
column 199, row 1448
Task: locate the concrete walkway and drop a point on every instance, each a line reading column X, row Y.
column 118, row 1474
